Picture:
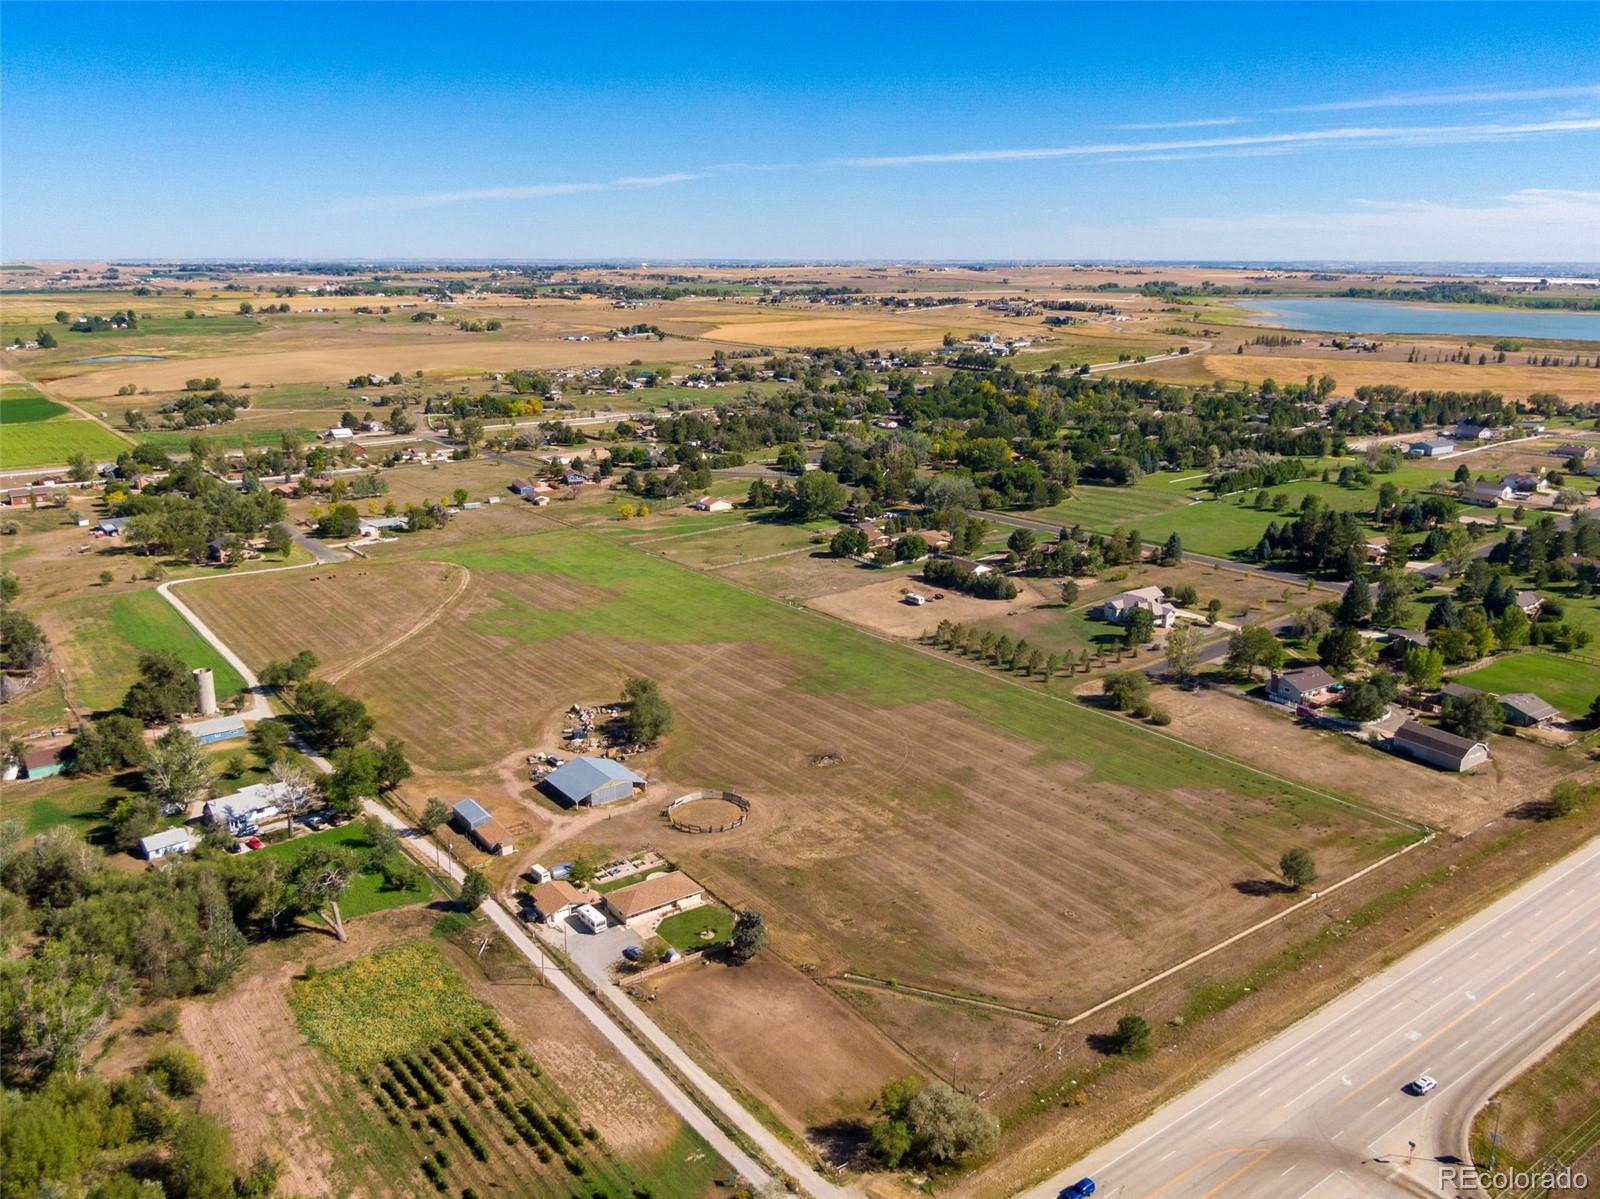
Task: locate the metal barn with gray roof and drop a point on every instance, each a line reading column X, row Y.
column 589, row 782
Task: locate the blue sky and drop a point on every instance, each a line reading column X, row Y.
column 1205, row 131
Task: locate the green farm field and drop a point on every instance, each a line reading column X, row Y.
column 1571, row 684
column 22, row 405
column 102, row 638
column 50, row 442
column 948, row 777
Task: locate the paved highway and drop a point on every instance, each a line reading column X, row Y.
column 1319, row 1112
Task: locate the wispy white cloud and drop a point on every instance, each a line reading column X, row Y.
column 528, row 191
column 1379, row 135
column 1200, row 123
column 1530, row 224
column 1429, row 99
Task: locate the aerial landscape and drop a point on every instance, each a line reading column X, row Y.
column 677, row 601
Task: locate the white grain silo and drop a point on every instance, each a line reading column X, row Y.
column 207, row 687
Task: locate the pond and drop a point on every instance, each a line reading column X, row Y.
column 122, row 358
column 1388, row 316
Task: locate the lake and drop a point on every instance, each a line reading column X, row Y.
column 122, row 358
column 1389, row 316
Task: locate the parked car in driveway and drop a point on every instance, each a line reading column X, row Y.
column 238, row 847
column 255, row 843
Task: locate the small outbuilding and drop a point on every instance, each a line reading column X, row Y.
column 43, row 763
column 711, row 503
column 472, row 818
column 1437, row 747
column 165, row 844
column 590, row 782
column 1432, row 447
column 218, row 728
column 1526, row 710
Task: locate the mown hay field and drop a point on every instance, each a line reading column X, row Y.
column 974, row 834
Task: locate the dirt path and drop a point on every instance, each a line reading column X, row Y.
column 395, row 641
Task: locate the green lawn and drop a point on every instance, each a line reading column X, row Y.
column 367, row 892
column 1568, row 683
column 147, row 622
column 683, row 930
column 42, row 442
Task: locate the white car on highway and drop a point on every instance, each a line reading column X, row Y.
column 1423, row 1084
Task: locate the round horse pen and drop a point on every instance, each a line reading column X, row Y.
column 700, row 812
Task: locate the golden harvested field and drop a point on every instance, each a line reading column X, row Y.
column 1515, row 382
column 932, row 851
column 292, row 361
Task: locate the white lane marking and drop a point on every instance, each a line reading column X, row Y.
column 1265, row 1091
column 1212, row 1125
column 1563, row 974
column 1166, row 1155
column 1477, row 926
column 1290, row 1170
column 1471, row 956
column 1495, row 1021
column 1317, row 1186
column 1462, row 1046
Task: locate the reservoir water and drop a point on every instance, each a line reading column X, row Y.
column 1388, row 316
column 122, row 358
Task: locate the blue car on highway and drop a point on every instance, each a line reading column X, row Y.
column 1081, row 1189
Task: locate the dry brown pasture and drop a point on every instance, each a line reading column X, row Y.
column 957, row 800
column 786, row 1040
column 880, row 606
column 971, row 1048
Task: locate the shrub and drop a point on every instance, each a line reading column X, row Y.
column 162, row 1019
column 469, row 1136
column 176, row 1071
column 1160, row 717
